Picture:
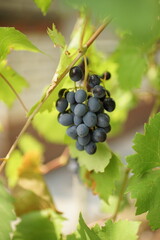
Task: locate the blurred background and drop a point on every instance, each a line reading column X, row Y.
column 69, row 194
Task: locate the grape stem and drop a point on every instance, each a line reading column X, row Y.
column 121, row 194
column 55, row 81
column 14, row 91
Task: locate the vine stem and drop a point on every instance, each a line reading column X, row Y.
column 14, row 91
column 55, row 81
column 123, row 188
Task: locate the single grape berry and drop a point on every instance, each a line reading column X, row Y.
column 72, row 132
column 82, row 130
column 76, row 73
column 98, row 91
column 109, row 104
column 103, row 120
column 80, row 110
column 61, row 104
column 77, row 120
column 79, row 146
column 71, row 97
column 90, row 148
column 84, row 140
column 90, row 119
column 61, row 92
column 106, row 75
column 93, row 80
column 80, row 96
column 107, row 129
column 72, row 106
column 99, row 135
column 94, row 104
column 66, row 119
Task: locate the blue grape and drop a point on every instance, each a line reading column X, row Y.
column 90, row 148
column 80, row 110
column 71, row 97
column 90, row 119
column 80, row 96
column 93, row 80
column 79, row 146
column 103, row 120
column 94, row 104
column 61, row 104
column 72, row 107
column 76, row 73
column 99, row 135
column 109, row 104
column 72, row 132
column 66, row 119
column 84, row 140
column 107, row 129
column 82, row 130
column 99, row 91
column 77, row 120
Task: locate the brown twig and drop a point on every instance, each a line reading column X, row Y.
column 55, row 81
column 56, row 163
column 14, row 91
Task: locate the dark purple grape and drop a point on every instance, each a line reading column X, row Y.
column 99, row 135
column 109, row 104
column 72, row 132
column 90, row 119
column 80, row 96
column 76, row 73
column 80, row 110
column 82, row 130
column 93, row 80
column 90, row 148
column 99, row 91
column 103, row 120
column 106, row 75
column 66, row 119
column 107, row 129
column 71, row 97
column 79, row 146
column 94, row 104
column 61, row 104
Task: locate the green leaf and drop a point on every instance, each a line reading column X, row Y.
column 131, row 65
column 144, row 185
column 56, row 37
column 12, row 39
column 17, row 81
column 96, row 162
column 147, row 148
column 145, row 189
column 39, row 225
column 43, row 5
column 6, row 213
column 103, row 183
column 123, row 229
column 28, row 143
column 12, row 168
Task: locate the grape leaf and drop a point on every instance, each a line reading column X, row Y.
column 43, row 5
column 131, row 65
column 144, row 185
column 145, row 189
column 12, row 39
column 96, row 162
column 56, row 37
column 6, row 213
column 39, row 225
column 147, row 147
column 103, row 183
column 17, row 81
column 122, row 229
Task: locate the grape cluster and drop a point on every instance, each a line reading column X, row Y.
column 83, row 111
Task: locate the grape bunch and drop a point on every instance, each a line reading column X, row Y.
column 83, row 110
